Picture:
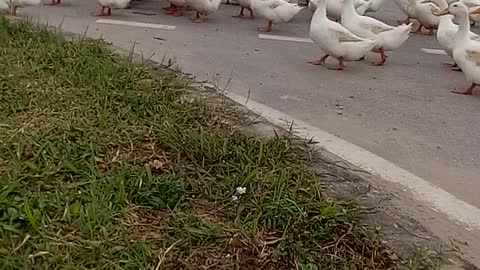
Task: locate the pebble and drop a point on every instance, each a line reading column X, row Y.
column 339, row 112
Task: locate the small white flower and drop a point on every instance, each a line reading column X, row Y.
column 235, row 198
column 241, row 190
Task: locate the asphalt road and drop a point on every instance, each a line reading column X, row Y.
column 402, row 111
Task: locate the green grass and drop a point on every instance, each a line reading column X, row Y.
column 104, row 165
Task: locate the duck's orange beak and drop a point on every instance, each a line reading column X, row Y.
column 442, row 13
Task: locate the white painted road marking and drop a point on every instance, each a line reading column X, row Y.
column 285, row 38
column 137, row 24
column 434, row 51
column 435, row 197
column 295, row 98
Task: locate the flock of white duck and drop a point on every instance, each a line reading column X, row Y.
column 341, row 29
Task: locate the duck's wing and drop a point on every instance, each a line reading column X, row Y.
column 375, row 26
column 473, row 56
column 272, row 4
column 473, row 36
column 434, row 8
column 343, row 35
column 471, row 3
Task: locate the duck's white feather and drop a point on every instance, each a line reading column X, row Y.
column 334, row 7
column 375, row 5
column 386, row 37
column 466, row 52
column 425, row 14
column 6, row 4
column 407, row 6
column 334, row 39
column 277, row 11
column 178, row 3
column 204, row 6
column 114, row 3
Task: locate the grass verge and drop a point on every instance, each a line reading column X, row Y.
column 104, row 165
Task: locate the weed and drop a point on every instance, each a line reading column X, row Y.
column 104, row 165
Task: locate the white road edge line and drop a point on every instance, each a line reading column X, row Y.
column 285, row 38
column 433, row 196
column 137, row 24
column 434, row 51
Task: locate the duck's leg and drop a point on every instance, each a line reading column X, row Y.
column 319, row 62
column 340, row 66
column 102, row 12
column 54, row 3
column 241, row 13
column 12, row 11
column 266, row 28
column 251, row 13
column 406, row 21
column 197, row 18
column 468, row 91
column 419, row 30
column 169, row 7
column 172, row 11
column 109, row 11
column 178, row 12
column 383, row 58
column 453, row 66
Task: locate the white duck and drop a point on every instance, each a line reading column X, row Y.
column 386, row 37
column 12, row 5
column 203, row 7
column 107, row 6
column 472, row 5
column 275, row 11
column 244, row 4
column 408, row 7
column 446, row 31
column 176, row 7
column 334, row 7
column 466, row 52
column 335, row 40
column 425, row 15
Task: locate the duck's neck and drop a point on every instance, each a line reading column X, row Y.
column 445, row 20
column 463, row 27
column 348, row 9
column 321, row 11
